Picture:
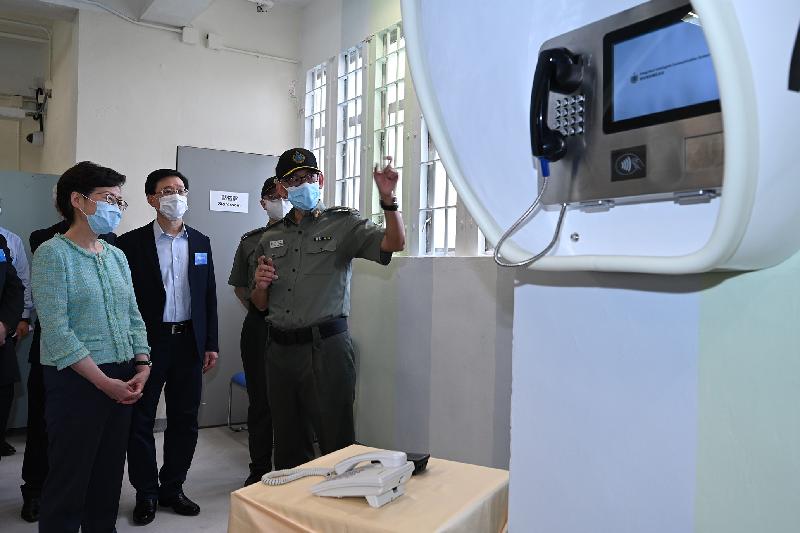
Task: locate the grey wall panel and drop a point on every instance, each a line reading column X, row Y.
column 220, row 170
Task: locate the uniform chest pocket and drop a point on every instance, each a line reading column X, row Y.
column 279, row 259
column 275, row 253
column 319, row 256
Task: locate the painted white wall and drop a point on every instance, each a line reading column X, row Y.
column 142, row 93
column 322, row 35
column 61, row 124
column 433, row 344
column 604, row 410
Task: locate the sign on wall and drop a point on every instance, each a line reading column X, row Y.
column 228, row 201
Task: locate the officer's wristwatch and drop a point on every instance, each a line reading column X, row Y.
column 146, row 362
column 390, row 207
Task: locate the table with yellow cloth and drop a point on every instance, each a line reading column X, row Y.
column 447, row 497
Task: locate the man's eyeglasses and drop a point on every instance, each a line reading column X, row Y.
column 169, row 191
column 110, row 199
column 296, row 179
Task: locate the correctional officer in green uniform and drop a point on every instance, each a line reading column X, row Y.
column 253, row 341
column 303, row 276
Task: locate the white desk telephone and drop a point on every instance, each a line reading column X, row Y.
column 381, row 480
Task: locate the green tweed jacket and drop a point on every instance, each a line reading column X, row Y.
column 86, row 305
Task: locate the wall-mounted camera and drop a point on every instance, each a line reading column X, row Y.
column 36, row 138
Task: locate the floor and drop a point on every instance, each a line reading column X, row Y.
column 219, row 467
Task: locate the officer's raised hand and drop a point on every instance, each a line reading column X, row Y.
column 386, row 180
column 265, row 273
column 394, row 238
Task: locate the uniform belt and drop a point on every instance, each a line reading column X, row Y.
column 176, row 328
column 306, row 335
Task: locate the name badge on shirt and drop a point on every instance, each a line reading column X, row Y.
column 276, row 244
column 322, row 238
column 2, row 256
column 200, row 258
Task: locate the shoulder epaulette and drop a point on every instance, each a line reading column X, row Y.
column 342, row 209
column 254, row 232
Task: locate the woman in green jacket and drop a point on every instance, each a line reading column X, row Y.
column 94, row 353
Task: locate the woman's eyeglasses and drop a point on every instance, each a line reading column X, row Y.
column 110, row 199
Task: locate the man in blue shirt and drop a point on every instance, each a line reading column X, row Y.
column 20, row 262
column 11, row 299
column 173, row 277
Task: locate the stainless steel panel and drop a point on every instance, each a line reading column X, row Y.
column 584, row 174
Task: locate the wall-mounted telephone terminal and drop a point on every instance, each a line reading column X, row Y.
column 624, row 112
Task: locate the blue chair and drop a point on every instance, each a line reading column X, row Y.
column 236, row 379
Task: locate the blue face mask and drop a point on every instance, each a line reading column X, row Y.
column 105, row 219
column 304, row 197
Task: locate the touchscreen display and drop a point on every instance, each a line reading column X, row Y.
column 663, row 70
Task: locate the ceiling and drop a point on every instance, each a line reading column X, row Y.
column 170, row 12
column 37, row 9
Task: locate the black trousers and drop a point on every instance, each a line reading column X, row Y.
column 34, row 462
column 9, row 373
column 311, row 383
column 253, row 347
column 177, row 369
column 88, row 434
column 6, row 401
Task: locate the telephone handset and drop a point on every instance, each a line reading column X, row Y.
column 380, row 480
column 561, row 71
column 557, row 70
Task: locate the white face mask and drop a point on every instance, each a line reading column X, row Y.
column 173, row 206
column 277, row 209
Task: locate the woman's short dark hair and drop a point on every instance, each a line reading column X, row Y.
column 83, row 178
column 157, row 175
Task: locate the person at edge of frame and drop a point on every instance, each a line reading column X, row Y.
column 253, row 339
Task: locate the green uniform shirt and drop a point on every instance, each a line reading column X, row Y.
column 312, row 261
column 244, row 263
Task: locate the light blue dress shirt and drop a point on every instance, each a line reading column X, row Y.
column 173, row 260
column 20, row 262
